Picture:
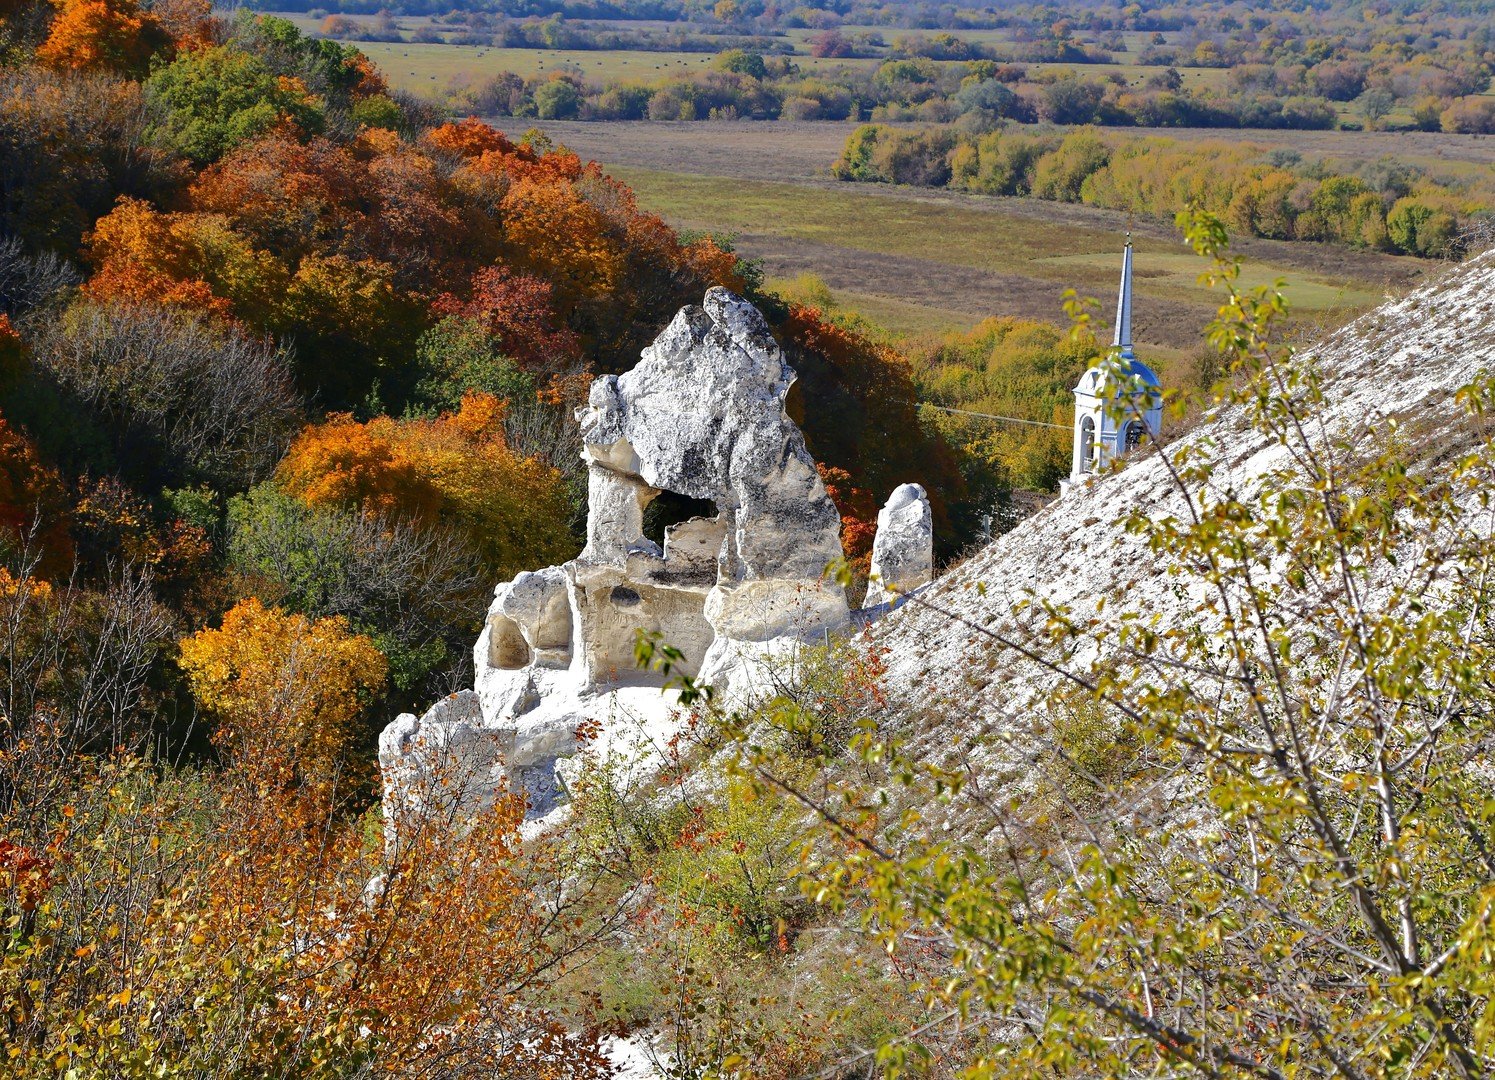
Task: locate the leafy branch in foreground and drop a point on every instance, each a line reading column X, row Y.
column 1251, row 839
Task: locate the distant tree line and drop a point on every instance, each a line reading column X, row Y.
column 918, row 81
column 1278, row 194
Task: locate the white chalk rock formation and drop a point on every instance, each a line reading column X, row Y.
column 447, row 761
column 700, row 426
column 703, row 416
column 903, row 550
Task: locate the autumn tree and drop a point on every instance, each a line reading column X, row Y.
column 70, row 144
column 194, row 261
column 188, row 23
column 858, row 510
column 457, row 468
column 101, row 35
column 33, row 504
column 115, row 526
column 285, row 691
column 288, row 196
column 352, row 322
column 1005, row 367
column 515, row 311
column 76, row 663
column 550, row 229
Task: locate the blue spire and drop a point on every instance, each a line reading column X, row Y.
column 1123, row 339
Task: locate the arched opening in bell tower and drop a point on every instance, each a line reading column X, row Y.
column 1087, row 444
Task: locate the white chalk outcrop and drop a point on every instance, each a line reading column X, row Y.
column 903, row 550
column 1404, row 362
column 701, row 416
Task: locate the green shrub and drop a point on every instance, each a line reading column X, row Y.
column 378, row 111
column 558, row 99
column 214, row 99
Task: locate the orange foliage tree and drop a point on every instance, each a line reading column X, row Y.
column 195, row 261
column 101, row 35
column 471, row 138
column 552, row 230
column 342, row 462
column 188, row 23
column 287, row 196
column 457, row 469
column 113, row 525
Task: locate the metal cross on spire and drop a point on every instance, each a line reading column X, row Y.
column 1123, row 339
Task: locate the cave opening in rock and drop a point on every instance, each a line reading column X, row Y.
column 507, row 648
column 671, row 508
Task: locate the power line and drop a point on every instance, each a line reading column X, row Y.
column 991, row 416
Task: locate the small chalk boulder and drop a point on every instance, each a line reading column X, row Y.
column 903, row 551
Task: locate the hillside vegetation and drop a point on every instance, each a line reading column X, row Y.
column 287, row 365
column 289, row 361
column 1187, row 774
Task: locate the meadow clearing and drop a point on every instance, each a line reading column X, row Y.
column 921, row 261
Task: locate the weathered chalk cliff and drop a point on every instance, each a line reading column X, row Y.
column 1403, row 362
column 734, row 587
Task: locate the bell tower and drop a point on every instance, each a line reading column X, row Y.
column 1118, row 402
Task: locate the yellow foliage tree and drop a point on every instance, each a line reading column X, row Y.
column 551, row 229
column 457, row 469
column 190, row 260
column 286, row 692
column 356, row 298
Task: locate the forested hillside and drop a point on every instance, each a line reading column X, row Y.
column 252, row 298
column 289, row 361
column 289, row 366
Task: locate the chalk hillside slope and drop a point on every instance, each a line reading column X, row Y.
column 1404, row 361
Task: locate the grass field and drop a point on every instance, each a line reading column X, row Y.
column 945, row 261
column 921, row 261
column 427, row 68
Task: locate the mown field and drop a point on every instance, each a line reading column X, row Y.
column 921, row 261
column 426, row 68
